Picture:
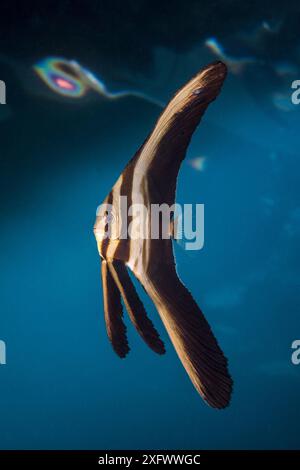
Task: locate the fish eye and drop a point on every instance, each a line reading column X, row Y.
column 107, row 217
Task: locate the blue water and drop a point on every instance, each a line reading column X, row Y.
column 63, row 387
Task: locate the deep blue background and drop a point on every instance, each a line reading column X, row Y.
column 63, row 386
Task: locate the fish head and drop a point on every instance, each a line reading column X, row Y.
column 106, row 227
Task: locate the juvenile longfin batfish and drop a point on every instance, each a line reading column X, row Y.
column 150, row 178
